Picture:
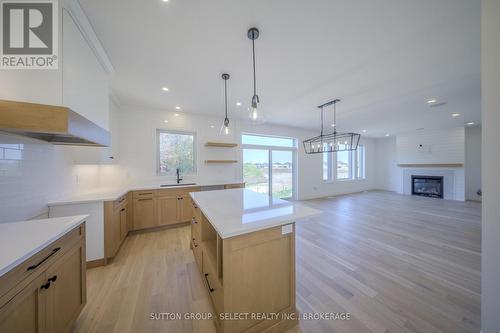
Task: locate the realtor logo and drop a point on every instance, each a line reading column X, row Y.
column 29, row 35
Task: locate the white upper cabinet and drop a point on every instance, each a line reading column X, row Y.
column 85, row 82
column 85, row 87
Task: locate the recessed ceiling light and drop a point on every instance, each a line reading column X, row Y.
column 364, row 131
column 470, row 123
column 212, row 126
column 165, row 0
column 333, row 125
column 165, row 121
column 164, row 88
column 455, row 114
column 387, row 134
column 177, row 107
column 176, row 114
column 238, row 103
column 431, row 101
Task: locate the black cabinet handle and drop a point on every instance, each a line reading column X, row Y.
column 208, row 283
column 52, row 279
column 54, row 251
column 45, row 286
column 122, row 210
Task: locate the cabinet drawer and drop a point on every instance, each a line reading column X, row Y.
column 143, row 194
column 179, row 191
column 213, row 286
column 40, row 261
column 195, row 229
column 197, row 253
column 118, row 204
column 197, row 215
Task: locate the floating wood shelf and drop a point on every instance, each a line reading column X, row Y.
column 221, row 144
column 221, row 161
column 450, row 165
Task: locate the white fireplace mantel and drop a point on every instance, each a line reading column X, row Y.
column 453, row 180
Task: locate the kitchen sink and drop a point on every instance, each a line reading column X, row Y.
column 181, row 184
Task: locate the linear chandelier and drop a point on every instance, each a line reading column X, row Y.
column 332, row 142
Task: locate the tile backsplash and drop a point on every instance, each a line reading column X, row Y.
column 33, row 173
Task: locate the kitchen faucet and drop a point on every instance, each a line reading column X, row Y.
column 178, row 176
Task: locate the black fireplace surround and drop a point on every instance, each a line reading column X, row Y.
column 427, row 186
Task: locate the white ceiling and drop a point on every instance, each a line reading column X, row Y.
column 383, row 58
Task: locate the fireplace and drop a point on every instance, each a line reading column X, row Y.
column 428, row 186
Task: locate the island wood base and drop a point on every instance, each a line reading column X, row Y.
column 250, row 278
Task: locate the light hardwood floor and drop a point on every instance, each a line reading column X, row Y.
column 395, row 263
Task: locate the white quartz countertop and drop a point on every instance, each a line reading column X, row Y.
column 112, row 194
column 240, row 211
column 21, row 240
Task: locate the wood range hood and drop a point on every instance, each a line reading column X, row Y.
column 58, row 125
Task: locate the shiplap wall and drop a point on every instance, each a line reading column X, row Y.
column 445, row 146
column 438, row 146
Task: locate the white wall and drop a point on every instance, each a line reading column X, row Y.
column 387, row 174
column 138, row 151
column 472, row 162
column 490, row 275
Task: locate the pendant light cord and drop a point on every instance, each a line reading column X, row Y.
column 335, row 117
column 321, row 121
column 225, row 95
column 253, row 61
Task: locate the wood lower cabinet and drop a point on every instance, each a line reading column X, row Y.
column 250, row 273
column 52, row 295
column 123, row 223
column 115, row 225
column 145, row 213
column 25, row 312
column 66, row 295
column 162, row 207
column 168, row 210
column 185, row 208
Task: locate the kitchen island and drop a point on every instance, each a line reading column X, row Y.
column 42, row 274
column 244, row 245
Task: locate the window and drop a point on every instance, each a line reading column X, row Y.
column 176, row 150
column 269, row 164
column 344, row 165
column 360, row 163
column 327, row 163
column 263, row 140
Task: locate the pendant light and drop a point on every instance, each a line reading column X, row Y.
column 255, row 114
column 333, row 142
column 225, row 124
